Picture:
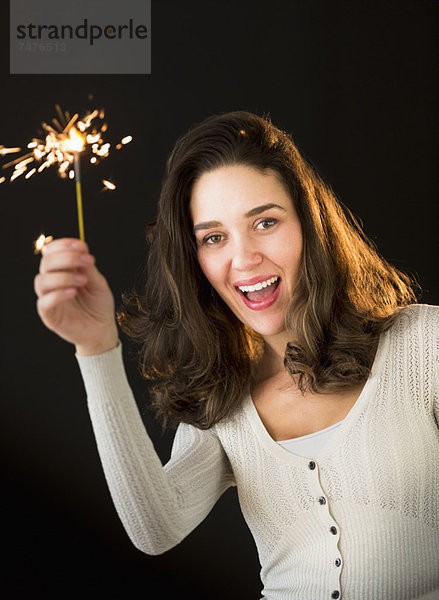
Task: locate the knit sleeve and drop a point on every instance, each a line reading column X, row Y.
column 435, row 361
column 436, row 398
column 158, row 505
column 423, row 348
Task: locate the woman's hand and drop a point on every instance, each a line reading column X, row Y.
column 74, row 299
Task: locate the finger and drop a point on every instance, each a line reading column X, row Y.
column 62, row 244
column 47, row 304
column 49, row 282
column 65, row 260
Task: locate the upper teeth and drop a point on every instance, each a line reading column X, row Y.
column 257, row 286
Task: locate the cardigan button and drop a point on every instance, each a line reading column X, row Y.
column 335, row 594
column 337, row 562
column 322, row 501
column 333, row 530
column 312, row 465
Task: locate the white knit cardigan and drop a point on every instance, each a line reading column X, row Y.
column 358, row 522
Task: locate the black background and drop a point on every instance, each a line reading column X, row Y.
column 355, row 83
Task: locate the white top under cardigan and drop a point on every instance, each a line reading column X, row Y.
column 309, row 445
column 360, row 521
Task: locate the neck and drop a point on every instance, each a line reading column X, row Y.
column 272, row 361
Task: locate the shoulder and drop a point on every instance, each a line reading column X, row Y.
column 412, row 355
column 421, row 320
column 188, row 437
column 414, row 341
column 413, row 338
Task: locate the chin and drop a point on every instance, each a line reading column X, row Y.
column 268, row 329
column 267, row 326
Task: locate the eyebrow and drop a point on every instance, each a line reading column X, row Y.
column 251, row 213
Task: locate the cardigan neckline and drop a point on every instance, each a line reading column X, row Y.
column 286, row 456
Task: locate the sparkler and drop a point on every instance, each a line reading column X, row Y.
column 76, row 144
column 64, row 141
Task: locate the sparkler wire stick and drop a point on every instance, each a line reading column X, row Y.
column 79, row 195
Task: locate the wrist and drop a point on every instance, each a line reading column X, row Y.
column 103, row 345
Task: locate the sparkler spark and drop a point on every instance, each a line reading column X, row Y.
column 64, row 140
column 4, row 150
column 108, row 184
column 40, row 242
column 126, row 140
column 66, row 135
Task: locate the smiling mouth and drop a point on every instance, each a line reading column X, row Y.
column 260, row 296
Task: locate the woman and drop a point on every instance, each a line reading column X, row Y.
column 293, row 359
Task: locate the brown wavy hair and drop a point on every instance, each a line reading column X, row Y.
column 197, row 354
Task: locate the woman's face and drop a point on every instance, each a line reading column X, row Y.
column 249, row 242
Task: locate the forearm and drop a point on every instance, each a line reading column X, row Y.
column 158, row 505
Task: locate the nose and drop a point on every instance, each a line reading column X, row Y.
column 246, row 255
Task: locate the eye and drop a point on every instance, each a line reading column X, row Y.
column 213, row 239
column 266, row 223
